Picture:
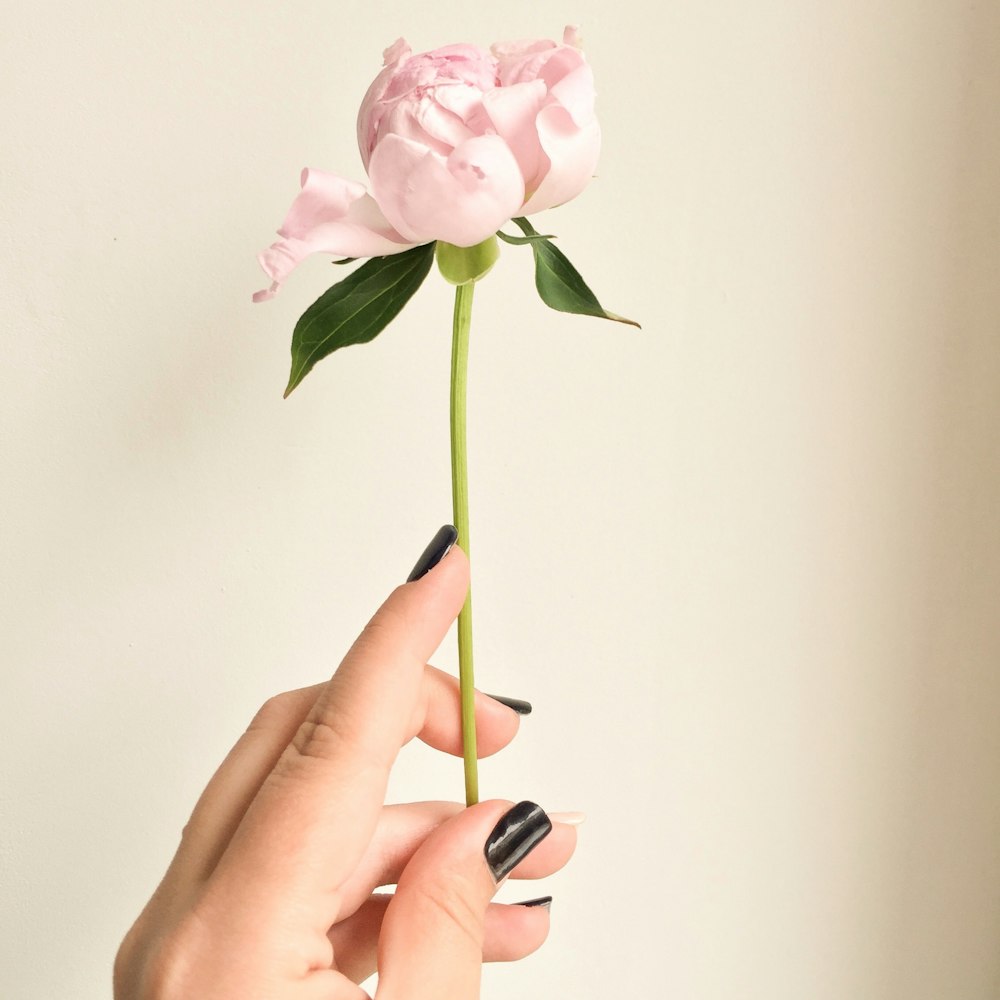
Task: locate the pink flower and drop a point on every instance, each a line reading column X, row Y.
column 456, row 142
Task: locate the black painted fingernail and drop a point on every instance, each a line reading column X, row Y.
column 519, row 832
column 439, row 547
column 519, row 706
column 545, row 902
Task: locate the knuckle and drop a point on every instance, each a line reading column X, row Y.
column 163, row 971
column 273, row 712
column 328, row 738
column 317, row 739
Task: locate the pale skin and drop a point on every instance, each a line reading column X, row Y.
column 272, row 893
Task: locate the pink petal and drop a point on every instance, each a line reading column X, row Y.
column 545, row 60
column 542, row 61
column 425, row 122
column 512, row 112
column 441, row 123
column 572, row 151
column 571, row 36
column 370, row 111
column 512, row 57
column 408, row 79
column 329, row 215
column 465, row 102
column 324, row 198
column 575, row 92
column 397, row 52
column 403, row 119
column 560, row 64
column 462, row 199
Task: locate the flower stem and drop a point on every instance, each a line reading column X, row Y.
column 460, row 502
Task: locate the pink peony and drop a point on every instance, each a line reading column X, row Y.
column 456, row 142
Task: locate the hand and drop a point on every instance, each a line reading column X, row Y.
column 270, row 894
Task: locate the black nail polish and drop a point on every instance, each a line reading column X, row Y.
column 439, row 547
column 519, row 706
column 545, row 902
column 519, row 831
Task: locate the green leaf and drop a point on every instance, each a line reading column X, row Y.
column 344, row 260
column 357, row 309
column 460, row 265
column 520, row 241
column 559, row 283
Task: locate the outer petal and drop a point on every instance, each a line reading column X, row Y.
column 575, row 92
column 370, row 111
column 512, row 112
column 330, row 215
column 462, row 199
column 568, row 135
column 572, row 151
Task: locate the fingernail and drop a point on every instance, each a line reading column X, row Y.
column 545, row 902
column 519, row 706
column 569, row 818
column 439, row 547
column 520, row 830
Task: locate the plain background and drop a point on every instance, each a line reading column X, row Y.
column 745, row 562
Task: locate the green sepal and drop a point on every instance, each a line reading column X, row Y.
column 520, row 241
column 559, row 283
column 460, row 265
column 344, row 260
column 357, row 309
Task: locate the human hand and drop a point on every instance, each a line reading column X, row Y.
column 270, row 894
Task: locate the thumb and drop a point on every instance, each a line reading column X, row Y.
column 431, row 945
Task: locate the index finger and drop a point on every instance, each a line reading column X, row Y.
column 316, row 811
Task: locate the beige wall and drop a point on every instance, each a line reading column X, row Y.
column 745, row 562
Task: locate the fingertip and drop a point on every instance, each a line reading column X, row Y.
column 496, row 725
column 447, row 583
column 553, row 854
column 437, row 548
column 432, row 937
column 438, row 721
column 458, row 552
column 455, row 564
column 432, row 595
column 441, row 556
column 513, row 931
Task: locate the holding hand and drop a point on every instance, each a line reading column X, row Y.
column 271, row 893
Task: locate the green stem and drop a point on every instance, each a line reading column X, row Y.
column 460, row 503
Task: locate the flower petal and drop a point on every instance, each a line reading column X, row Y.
column 408, row 79
column 397, row 52
column 572, row 36
column 461, row 199
column 324, row 198
column 329, row 215
column 545, row 60
column 575, row 92
column 572, row 151
column 513, row 111
column 512, row 57
column 426, row 122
